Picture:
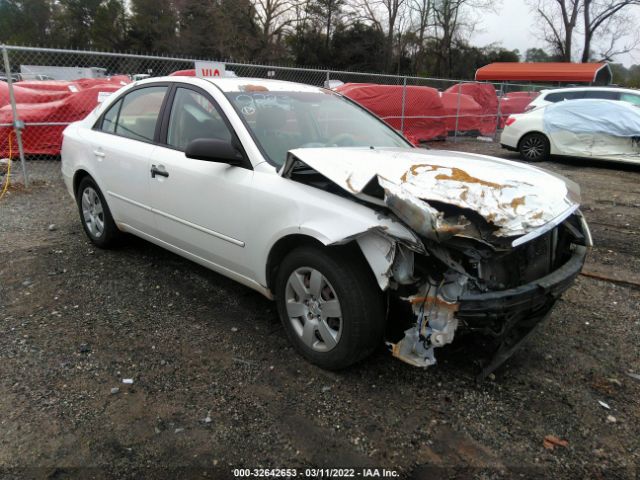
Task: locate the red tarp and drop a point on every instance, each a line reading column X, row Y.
column 514, row 102
column 423, row 114
column 184, row 73
column 485, row 95
column 466, row 108
column 546, row 72
column 29, row 95
column 47, row 139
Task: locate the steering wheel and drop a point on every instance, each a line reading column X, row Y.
column 342, row 140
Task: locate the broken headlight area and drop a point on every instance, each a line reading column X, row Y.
column 468, row 286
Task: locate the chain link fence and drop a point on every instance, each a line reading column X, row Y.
column 43, row 90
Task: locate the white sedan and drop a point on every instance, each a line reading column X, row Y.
column 597, row 129
column 304, row 196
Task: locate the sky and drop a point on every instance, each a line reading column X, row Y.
column 512, row 27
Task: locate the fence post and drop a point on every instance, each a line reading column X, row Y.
column 17, row 124
column 498, row 113
column 404, row 99
column 455, row 133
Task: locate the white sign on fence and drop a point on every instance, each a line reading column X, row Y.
column 210, row 69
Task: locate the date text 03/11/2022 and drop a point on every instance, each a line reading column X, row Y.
column 315, row 473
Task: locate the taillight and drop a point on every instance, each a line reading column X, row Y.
column 510, row 121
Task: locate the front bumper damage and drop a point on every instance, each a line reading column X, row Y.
column 509, row 316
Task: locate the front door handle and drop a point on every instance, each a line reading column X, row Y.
column 98, row 153
column 158, row 171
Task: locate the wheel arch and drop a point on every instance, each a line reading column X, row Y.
column 531, row 132
column 288, row 243
column 78, row 176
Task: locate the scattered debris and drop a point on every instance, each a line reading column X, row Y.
column 53, row 227
column 634, row 375
column 26, row 283
column 326, row 389
column 604, row 405
column 114, row 390
column 551, row 441
column 208, row 419
column 178, row 430
column 611, row 419
column 84, row 348
column 234, row 329
column 128, row 381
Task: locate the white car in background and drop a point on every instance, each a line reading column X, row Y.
column 556, row 95
column 299, row 193
column 597, row 129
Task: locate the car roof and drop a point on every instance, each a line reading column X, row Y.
column 240, row 84
column 604, row 88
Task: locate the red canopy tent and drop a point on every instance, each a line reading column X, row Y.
column 598, row 73
column 424, row 114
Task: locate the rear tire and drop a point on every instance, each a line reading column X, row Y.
column 95, row 215
column 534, row 147
column 330, row 305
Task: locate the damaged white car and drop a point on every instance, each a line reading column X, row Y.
column 299, row 193
column 598, row 129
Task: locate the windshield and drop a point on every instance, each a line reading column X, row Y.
column 281, row 121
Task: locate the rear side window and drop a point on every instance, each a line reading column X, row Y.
column 136, row 115
column 139, row 113
column 631, row 98
column 602, row 94
column 561, row 96
column 110, row 118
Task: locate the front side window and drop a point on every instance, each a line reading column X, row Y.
column 139, row 112
column 285, row 120
column 194, row 116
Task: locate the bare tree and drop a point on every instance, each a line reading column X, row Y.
column 606, row 20
column 384, row 15
column 450, row 22
column 420, row 15
column 606, row 17
column 559, row 18
column 274, row 17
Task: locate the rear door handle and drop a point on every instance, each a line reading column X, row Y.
column 158, row 171
column 98, row 153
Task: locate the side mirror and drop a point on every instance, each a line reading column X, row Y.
column 214, row 150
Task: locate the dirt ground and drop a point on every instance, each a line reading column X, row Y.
column 216, row 385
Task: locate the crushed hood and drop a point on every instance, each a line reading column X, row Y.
column 515, row 198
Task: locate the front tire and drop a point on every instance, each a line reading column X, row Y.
column 95, row 215
column 534, row 147
column 330, row 305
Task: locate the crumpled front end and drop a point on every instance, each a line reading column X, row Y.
column 500, row 243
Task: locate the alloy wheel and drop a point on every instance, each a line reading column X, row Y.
column 313, row 309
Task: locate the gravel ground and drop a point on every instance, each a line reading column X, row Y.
column 216, row 385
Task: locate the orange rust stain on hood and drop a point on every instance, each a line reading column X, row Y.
column 517, row 202
column 457, row 175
